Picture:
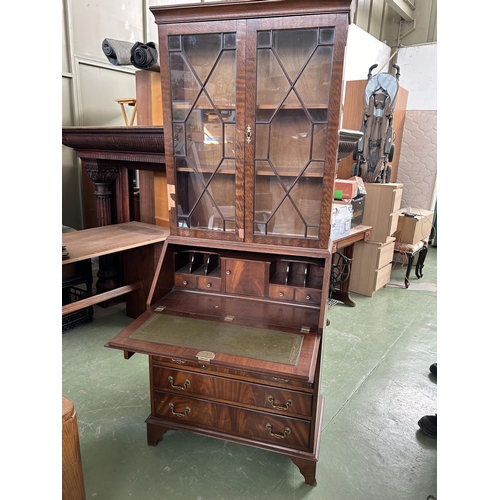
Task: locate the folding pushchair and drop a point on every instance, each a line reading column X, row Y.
column 376, row 147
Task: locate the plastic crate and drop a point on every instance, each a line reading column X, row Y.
column 77, row 318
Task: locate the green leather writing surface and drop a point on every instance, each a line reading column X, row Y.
column 237, row 340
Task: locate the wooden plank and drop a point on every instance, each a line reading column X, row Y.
column 113, row 238
column 101, row 297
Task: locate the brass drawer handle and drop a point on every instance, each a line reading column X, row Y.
column 178, row 387
column 185, row 282
column 281, row 379
column 186, row 411
column 308, row 297
column 287, row 404
column 228, row 272
column 281, row 294
column 287, row 431
column 209, row 285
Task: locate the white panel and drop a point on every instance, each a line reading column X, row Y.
column 99, row 89
column 418, row 160
column 65, row 48
column 94, row 21
column 419, row 75
column 152, row 28
column 71, row 206
column 362, row 51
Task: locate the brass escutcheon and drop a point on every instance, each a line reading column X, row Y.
column 249, row 134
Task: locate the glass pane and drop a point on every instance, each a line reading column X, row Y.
column 326, row 35
column 229, row 40
column 313, row 85
column 319, row 142
column 290, row 145
column 264, row 39
column 221, row 83
column 294, row 47
column 203, row 75
column 272, row 84
column 293, row 88
column 201, row 51
column 262, row 141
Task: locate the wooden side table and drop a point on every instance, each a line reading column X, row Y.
column 137, row 242
column 346, row 244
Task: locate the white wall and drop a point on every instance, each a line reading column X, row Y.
column 418, row 66
column 418, row 158
column 362, row 51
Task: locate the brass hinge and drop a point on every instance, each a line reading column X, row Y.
column 229, row 318
column 305, row 329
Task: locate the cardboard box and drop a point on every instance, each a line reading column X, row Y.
column 358, row 207
column 340, row 220
column 414, row 229
column 348, row 187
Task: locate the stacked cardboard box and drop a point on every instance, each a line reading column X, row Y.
column 414, row 227
column 372, row 260
column 351, row 192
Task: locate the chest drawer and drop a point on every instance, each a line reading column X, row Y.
column 234, row 391
column 253, row 424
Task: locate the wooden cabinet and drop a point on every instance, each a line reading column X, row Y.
column 234, row 338
column 252, row 105
column 237, row 311
column 374, row 267
column 381, row 209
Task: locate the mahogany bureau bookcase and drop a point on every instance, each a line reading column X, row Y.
column 237, row 311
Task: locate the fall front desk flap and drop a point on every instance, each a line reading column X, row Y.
column 233, row 345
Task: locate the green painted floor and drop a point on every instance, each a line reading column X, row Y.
column 376, row 384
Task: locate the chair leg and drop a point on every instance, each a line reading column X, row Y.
column 420, row 262
column 408, row 270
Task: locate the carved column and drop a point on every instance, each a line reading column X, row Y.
column 103, row 174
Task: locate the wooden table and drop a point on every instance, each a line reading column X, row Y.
column 140, row 245
column 346, row 244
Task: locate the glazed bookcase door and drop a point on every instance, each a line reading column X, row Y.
column 291, row 114
column 205, row 168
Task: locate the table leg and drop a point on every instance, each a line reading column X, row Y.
column 342, row 294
